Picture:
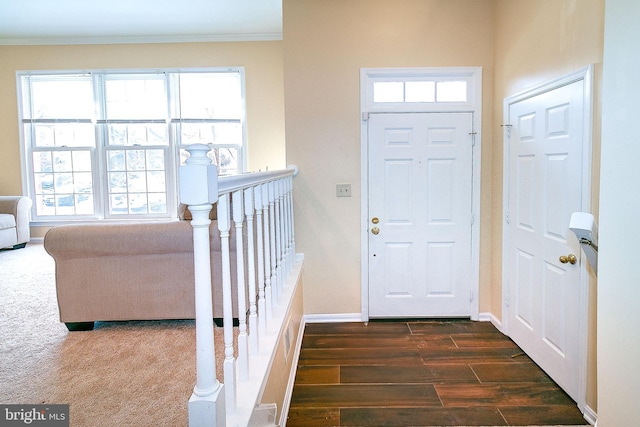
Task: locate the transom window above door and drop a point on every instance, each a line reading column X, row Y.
column 420, row 89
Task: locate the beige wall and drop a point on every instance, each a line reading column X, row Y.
column 556, row 38
column 619, row 270
column 326, row 43
column 264, row 86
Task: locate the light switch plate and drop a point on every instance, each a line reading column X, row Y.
column 343, row 190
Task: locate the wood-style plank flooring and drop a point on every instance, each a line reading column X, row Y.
column 421, row 373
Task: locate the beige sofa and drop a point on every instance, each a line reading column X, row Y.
column 109, row 272
column 15, row 213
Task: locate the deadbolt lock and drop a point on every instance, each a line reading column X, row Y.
column 375, row 220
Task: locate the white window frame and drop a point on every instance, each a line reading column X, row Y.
column 99, row 171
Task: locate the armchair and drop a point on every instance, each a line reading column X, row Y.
column 15, row 214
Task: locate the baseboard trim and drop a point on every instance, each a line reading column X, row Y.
column 590, row 415
column 332, row 318
column 357, row 317
column 484, row 317
column 490, row 317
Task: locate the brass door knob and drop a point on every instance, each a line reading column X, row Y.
column 571, row 258
column 375, row 230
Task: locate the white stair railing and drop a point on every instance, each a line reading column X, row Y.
column 260, row 205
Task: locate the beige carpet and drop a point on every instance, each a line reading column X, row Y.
column 119, row 374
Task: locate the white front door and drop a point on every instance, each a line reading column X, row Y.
column 545, row 186
column 420, row 215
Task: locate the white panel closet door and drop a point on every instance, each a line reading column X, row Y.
column 545, row 188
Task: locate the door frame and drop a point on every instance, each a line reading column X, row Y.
column 585, row 75
column 473, row 104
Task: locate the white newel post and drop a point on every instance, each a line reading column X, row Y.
column 199, row 190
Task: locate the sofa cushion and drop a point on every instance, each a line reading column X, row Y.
column 7, row 221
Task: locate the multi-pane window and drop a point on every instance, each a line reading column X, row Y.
column 413, row 91
column 137, row 143
column 108, row 144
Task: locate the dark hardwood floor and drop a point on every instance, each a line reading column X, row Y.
column 421, row 373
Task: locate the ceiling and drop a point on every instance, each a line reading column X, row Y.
column 25, row 22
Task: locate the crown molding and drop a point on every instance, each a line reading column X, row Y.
column 199, row 38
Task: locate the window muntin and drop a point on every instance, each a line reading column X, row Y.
column 63, row 182
column 420, row 91
column 136, row 120
column 137, row 181
column 61, row 134
column 108, row 144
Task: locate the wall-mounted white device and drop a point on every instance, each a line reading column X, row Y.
column 584, row 226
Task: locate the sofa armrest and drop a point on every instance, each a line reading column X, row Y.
column 96, row 240
column 20, row 208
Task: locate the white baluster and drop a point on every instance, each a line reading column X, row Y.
column 224, row 224
column 272, row 238
column 198, row 190
column 285, row 233
column 238, row 218
column 293, row 228
column 251, row 270
column 282, row 222
column 278, row 208
column 292, row 248
column 268, row 257
column 262, row 314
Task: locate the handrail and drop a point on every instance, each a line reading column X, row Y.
column 231, row 183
